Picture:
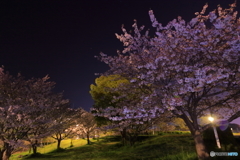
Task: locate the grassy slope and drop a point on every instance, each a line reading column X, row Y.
column 163, row 147
column 51, row 147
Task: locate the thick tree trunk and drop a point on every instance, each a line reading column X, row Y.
column 6, row 155
column 201, row 149
column 1, row 153
column 59, row 143
column 132, row 138
column 6, row 152
column 200, row 146
column 34, row 147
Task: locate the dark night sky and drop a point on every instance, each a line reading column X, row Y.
column 61, row 38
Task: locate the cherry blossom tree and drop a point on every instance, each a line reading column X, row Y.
column 24, row 105
column 86, row 124
column 192, row 67
column 64, row 123
column 42, row 125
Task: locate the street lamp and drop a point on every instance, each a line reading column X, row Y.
column 211, row 119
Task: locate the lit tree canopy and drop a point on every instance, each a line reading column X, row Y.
column 113, row 95
column 103, row 92
column 192, row 67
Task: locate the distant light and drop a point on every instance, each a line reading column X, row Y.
column 211, row 119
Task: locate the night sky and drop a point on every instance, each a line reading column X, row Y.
column 60, row 38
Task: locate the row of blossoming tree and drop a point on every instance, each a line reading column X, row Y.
column 30, row 111
column 190, row 69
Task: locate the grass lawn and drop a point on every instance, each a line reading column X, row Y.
column 165, row 147
column 51, row 148
column 162, row 147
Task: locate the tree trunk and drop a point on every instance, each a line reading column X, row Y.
column 6, row 155
column 34, row 147
column 59, row 143
column 124, row 134
column 88, row 141
column 132, row 138
column 1, row 153
column 200, row 146
column 6, row 152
